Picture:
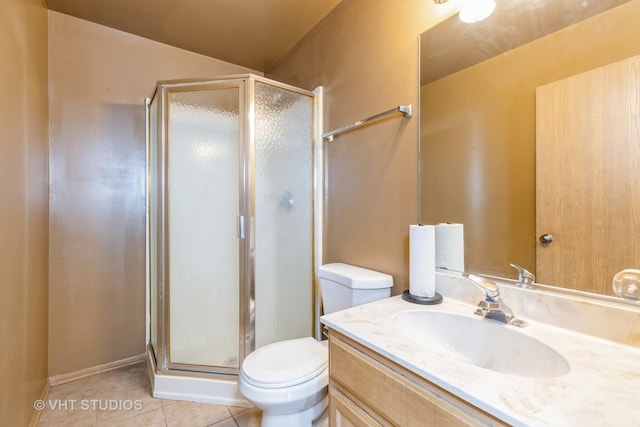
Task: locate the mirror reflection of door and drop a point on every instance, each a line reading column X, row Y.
column 588, row 177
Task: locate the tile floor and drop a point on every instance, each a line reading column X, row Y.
column 123, row 398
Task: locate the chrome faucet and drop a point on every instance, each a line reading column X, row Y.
column 492, row 307
column 525, row 278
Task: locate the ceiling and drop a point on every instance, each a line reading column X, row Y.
column 251, row 33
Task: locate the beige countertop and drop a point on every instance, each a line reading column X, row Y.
column 601, row 388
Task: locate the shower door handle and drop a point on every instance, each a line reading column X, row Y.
column 241, row 226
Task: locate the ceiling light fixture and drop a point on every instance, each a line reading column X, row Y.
column 476, row 10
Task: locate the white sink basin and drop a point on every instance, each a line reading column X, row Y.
column 483, row 342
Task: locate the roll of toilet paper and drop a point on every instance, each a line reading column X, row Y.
column 450, row 246
column 422, row 260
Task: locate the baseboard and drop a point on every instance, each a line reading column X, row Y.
column 72, row 376
column 44, row 395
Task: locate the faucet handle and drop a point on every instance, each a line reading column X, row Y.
column 490, row 288
column 525, row 277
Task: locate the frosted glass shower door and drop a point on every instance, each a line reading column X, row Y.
column 283, row 214
column 203, row 205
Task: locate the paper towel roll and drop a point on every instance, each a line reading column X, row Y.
column 450, row 246
column 422, row 260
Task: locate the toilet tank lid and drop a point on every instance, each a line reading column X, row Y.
column 355, row 277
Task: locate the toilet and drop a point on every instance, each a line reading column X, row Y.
column 288, row 380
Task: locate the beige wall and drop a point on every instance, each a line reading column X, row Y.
column 99, row 78
column 365, row 54
column 23, row 208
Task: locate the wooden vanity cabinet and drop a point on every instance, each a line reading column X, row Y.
column 367, row 389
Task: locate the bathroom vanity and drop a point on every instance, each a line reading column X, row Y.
column 361, row 380
column 396, row 363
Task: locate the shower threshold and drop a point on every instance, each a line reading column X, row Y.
column 194, row 386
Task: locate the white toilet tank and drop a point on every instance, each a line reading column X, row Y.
column 345, row 286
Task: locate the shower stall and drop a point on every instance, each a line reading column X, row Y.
column 234, row 193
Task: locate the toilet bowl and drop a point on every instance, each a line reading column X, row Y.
column 289, row 380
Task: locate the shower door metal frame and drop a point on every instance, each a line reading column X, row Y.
column 246, row 154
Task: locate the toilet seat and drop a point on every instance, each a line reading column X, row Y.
column 285, row 363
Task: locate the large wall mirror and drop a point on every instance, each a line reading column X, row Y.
column 530, row 137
